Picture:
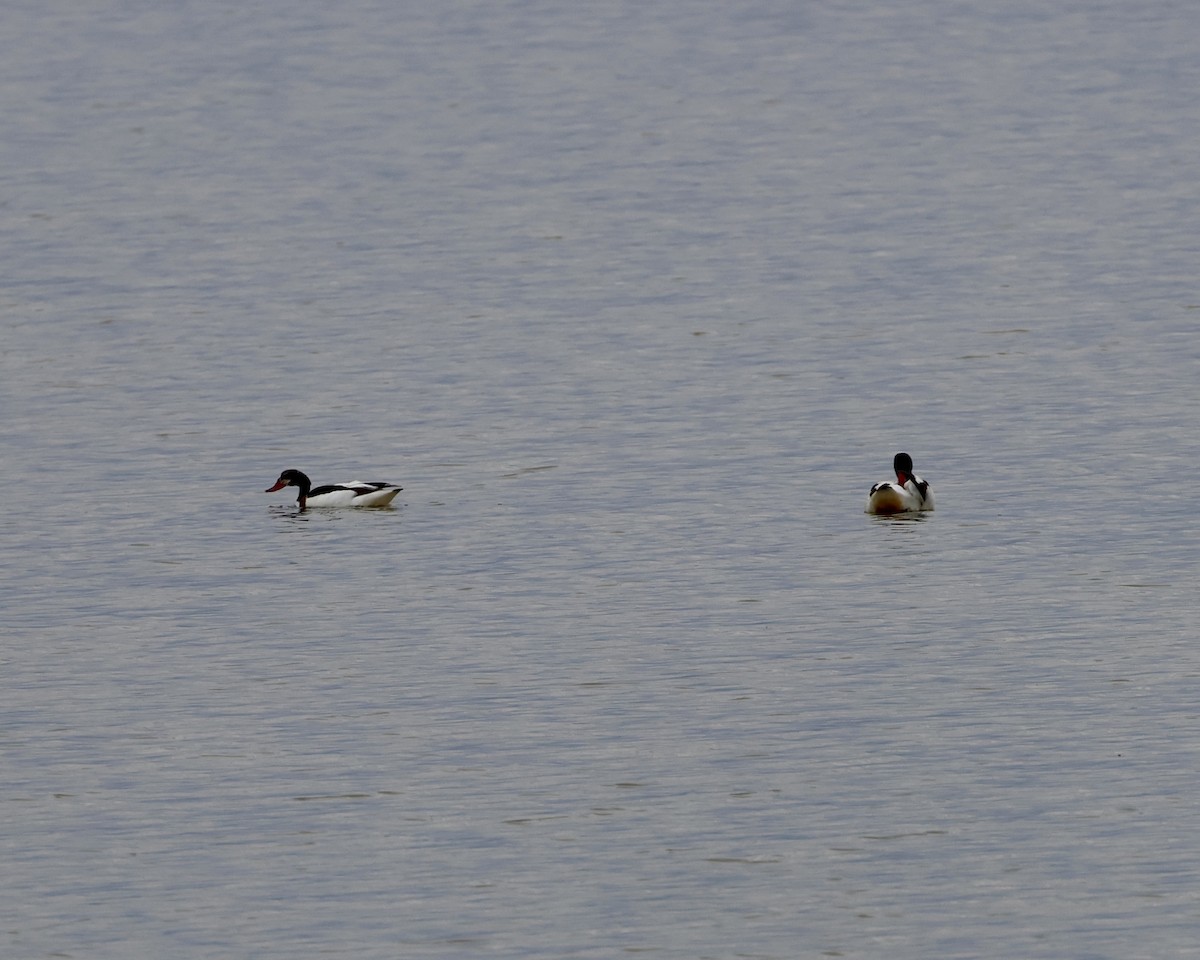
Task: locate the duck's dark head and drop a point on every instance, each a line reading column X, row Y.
column 293, row 478
column 290, row 478
column 902, row 464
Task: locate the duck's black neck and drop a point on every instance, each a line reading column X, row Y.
column 301, row 482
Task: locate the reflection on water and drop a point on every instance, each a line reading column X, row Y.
column 902, row 517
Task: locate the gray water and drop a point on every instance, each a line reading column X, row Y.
column 635, row 300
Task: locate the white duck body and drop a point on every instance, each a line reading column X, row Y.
column 908, row 493
column 356, row 493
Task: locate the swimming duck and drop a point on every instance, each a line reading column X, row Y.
column 907, row 495
column 356, row 493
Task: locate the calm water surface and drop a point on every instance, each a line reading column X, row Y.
column 636, row 301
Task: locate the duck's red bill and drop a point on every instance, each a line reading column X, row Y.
column 279, row 485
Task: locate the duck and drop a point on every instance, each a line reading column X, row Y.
column 356, row 493
column 908, row 494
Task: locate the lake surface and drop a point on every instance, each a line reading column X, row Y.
column 635, row 300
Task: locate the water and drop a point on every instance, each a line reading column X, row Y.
column 636, row 301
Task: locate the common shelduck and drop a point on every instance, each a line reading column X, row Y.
column 356, row 493
column 907, row 495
